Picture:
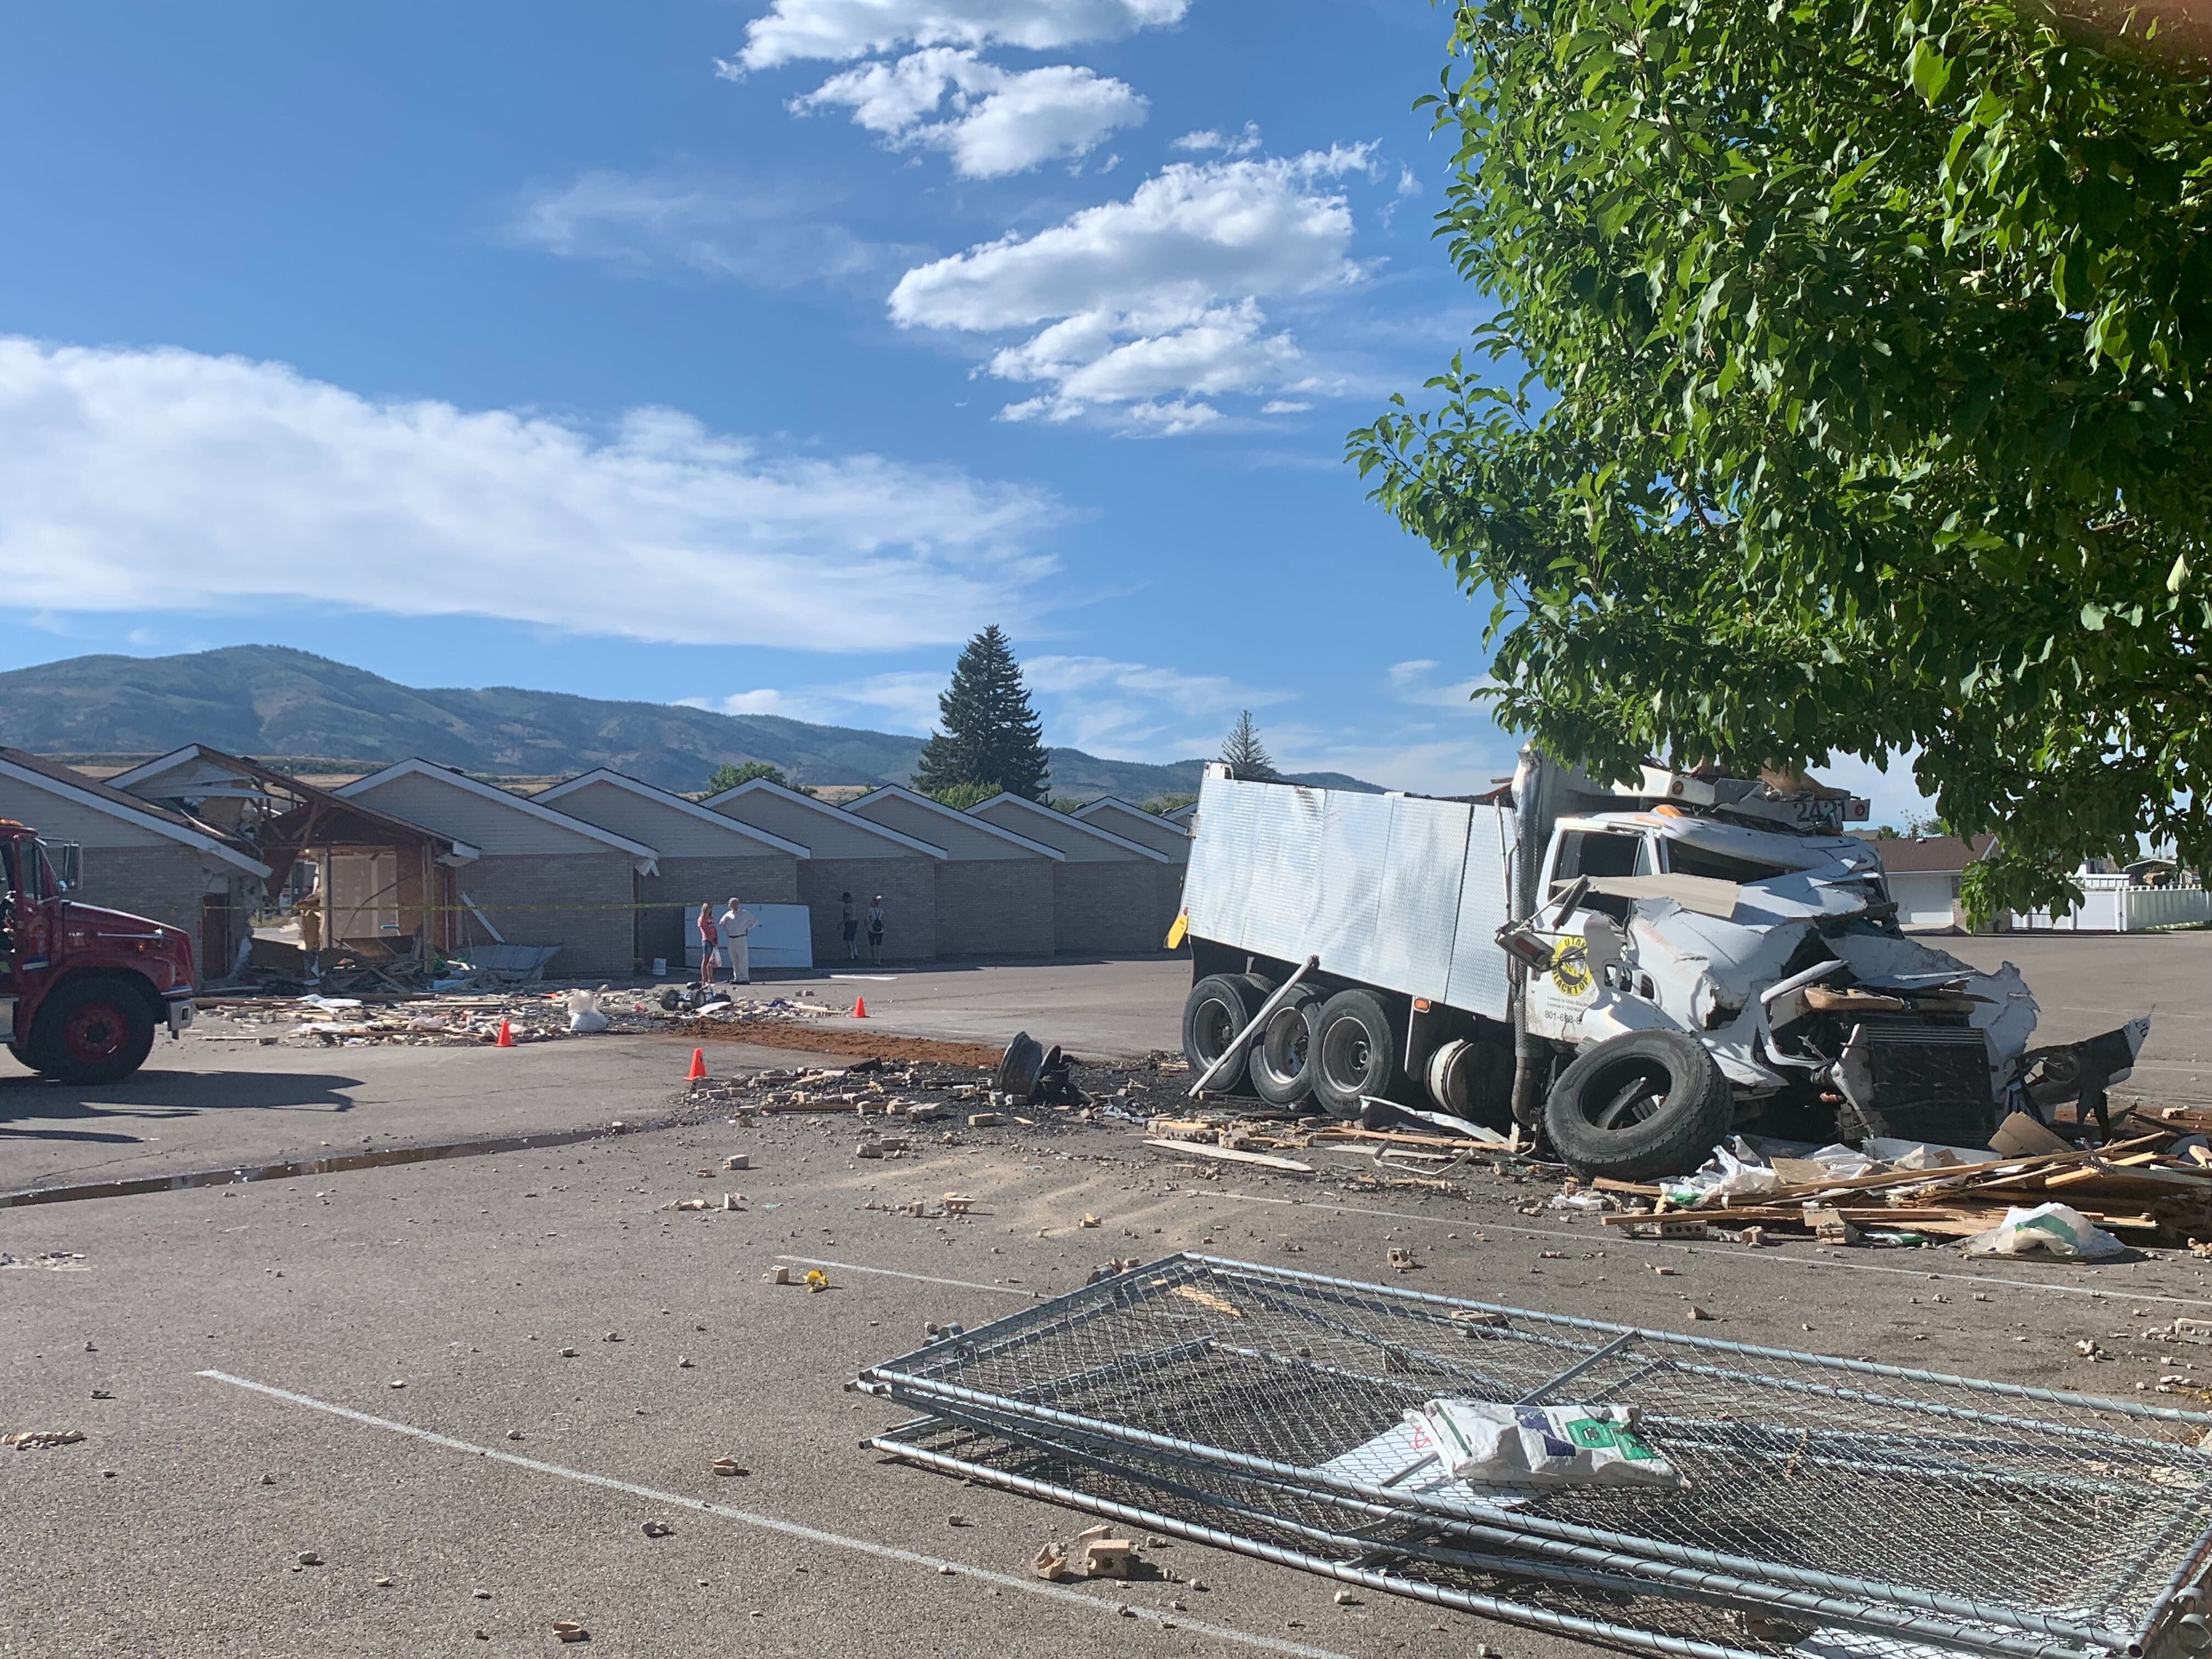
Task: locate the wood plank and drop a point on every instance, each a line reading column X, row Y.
column 1195, row 1150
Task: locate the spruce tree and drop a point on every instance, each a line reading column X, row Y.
column 991, row 735
column 1244, row 754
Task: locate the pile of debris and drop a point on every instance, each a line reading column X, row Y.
column 424, row 1020
column 2150, row 1184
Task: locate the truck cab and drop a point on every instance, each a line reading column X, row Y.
column 82, row 989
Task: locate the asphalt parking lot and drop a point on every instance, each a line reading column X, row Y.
column 231, row 1352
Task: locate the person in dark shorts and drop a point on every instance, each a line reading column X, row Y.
column 876, row 931
column 852, row 925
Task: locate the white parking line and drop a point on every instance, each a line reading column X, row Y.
column 1037, row 1587
column 1733, row 1252
column 920, row 1278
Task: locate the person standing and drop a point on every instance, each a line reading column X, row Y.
column 851, row 924
column 709, row 945
column 876, row 931
column 736, row 923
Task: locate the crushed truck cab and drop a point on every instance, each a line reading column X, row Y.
column 1633, row 972
column 82, row 989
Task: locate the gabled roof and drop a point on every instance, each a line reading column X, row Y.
column 72, row 785
column 1182, row 814
column 1115, row 802
column 969, row 819
column 1928, row 855
column 1001, row 800
column 766, row 787
column 488, row 792
column 663, row 797
column 305, row 818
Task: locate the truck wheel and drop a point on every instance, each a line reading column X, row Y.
column 1473, row 1080
column 1354, row 1051
column 1281, row 1065
column 95, row 1030
column 1219, row 1007
column 1635, row 1107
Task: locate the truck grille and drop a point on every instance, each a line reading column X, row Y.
column 1919, row 1082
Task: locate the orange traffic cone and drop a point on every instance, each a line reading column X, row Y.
column 860, row 1007
column 698, row 1071
column 506, row 1035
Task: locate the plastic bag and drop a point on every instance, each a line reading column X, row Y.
column 1538, row 1445
column 584, row 1013
column 2053, row 1228
column 1732, row 1171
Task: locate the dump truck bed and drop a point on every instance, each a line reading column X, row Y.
column 1404, row 892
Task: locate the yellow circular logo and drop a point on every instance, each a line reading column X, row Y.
column 1569, row 968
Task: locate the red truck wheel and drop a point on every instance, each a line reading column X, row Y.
column 95, row 1030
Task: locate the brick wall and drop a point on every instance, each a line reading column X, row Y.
column 581, row 903
column 162, row 883
column 772, row 878
column 994, row 907
column 1105, row 909
column 909, row 889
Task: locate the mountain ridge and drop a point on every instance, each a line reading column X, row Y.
column 268, row 699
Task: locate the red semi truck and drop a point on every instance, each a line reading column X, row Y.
column 82, row 989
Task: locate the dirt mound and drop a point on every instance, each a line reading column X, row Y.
column 839, row 1040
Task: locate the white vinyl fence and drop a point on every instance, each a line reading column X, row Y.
column 2109, row 905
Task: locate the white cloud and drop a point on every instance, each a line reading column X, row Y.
column 846, row 29
column 1152, row 303
column 1003, row 121
column 647, row 223
column 903, row 701
column 1241, row 143
column 165, row 480
column 1411, row 681
column 1137, row 711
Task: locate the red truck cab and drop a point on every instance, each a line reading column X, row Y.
column 82, row 989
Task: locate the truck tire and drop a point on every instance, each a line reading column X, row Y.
column 92, row 1032
column 1354, row 1052
column 1650, row 1103
column 1472, row 1080
column 1219, row 1007
column 1280, row 1066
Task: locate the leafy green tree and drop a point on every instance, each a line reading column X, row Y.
column 991, row 734
column 729, row 777
column 1843, row 394
column 1243, row 753
column 962, row 796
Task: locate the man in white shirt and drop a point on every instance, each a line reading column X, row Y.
column 736, row 923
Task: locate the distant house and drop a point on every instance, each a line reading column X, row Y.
column 1110, row 894
column 850, row 855
column 1924, row 873
column 1185, row 815
column 135, row 855
column 705, row 857
column 993, row 886
column 540, row 878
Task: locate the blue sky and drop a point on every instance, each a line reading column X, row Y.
column 748, row 354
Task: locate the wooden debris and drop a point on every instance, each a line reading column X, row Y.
column 1267, row 1160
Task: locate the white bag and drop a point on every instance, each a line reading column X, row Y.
column 1737, row 1173
column 2057, row 1229
column 584, row 1013
column 1538, row 1445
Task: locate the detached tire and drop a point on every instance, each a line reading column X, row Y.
column 1647, row 1104
column 1280, row 1064
column 92, row 1032
column 1219, row 1007
column 1353, row 1051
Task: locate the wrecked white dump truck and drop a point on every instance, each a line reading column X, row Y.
column 1633, row 973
